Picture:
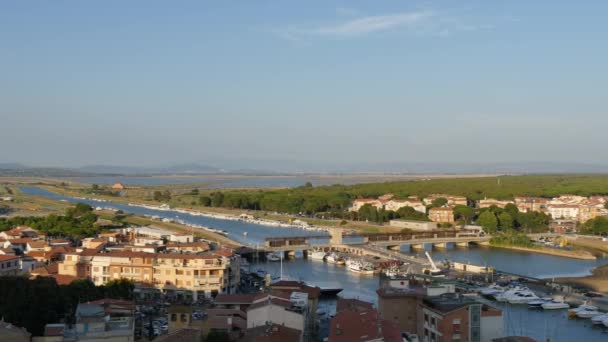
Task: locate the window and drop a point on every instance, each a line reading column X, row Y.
column 456, row 337
column 173, row 317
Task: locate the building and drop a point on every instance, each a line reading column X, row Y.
column 441, row 215
column 362, row 325
column 401, row 306
column 191, row 247
column 360, row 202
column 118, row 187
column 103, row 320
column 563, row 211
column 9, row 265
column 451, row 317
column 489, row 202
column 20, row 232
column 272, row 333
column 452, row 200
column 286, row 288
column 413, row 225
column 289, row 312
column 178, row 275
column 528, row 204
column 395, row 204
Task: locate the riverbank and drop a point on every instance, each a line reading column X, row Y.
column 598, row 281
column 596, row 244
column 227, row 213
column 574, row 254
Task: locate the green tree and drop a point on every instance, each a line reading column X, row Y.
column 217, row 198
column 409, row 213
column 488, row 221
column 194, row 192
column 439, row 202
column 512, row 209
column 505, row 221
column 464, row 213
column 204, row 201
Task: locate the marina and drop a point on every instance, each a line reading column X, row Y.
column 549, row 320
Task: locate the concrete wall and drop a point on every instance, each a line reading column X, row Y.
column 401, row 310
column 413, row 225
column 492, row 327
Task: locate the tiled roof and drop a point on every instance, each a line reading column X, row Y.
column 8, row 257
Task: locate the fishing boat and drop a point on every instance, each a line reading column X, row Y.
column 317, row 255
column 334, row 258
column 391, row 272
column 361, row 267
column 537, row 303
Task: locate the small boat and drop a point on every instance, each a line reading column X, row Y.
column 605, row 323
column 588, row 313
column 273, row 257
column 334, row 258
column 245, row 233
column 320, row 312
column 583, row 307
column 555, row 305
column 536, row 303
column 361, row 268
column 317, row 255
column 261, row 273
column 599, row 318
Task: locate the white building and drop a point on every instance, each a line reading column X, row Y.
column 279, row 311
column 563, row 211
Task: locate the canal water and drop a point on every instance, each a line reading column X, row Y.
column 519, row 320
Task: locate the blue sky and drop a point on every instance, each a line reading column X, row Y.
column 314, row 82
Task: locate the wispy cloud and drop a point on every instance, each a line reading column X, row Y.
column 358, row 26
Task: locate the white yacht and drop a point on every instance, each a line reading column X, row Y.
column 587, row 313
column 583, row 307
column 273, row 257
column 555, row 305
column 536, row 303
column 605, row 323
column 317, row 255
column 599, row 319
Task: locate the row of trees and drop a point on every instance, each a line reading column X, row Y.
column 596, row 226
column 32, row 303
column 495, row 220
column 78, row 221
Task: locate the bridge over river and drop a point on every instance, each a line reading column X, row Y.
column 380, row 244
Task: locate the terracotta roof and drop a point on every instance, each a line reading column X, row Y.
column 52, row 268
column 37, row 244
column 59, row 241
column 21, row 241
column 274, row 333
column 7, row 250
column 272, row 300
column 290, row 285
column 349, row 326
column 353, row 305
column 8, row 257
column 63, row 279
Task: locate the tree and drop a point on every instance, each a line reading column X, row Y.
column 439, row 202
column 308, row 185
column 488, row 221
column 462, row 212
column 217, row 198
column 204, row 201
column 512, row 209
column 505, row 221
column 194, row 192
column 409, row 213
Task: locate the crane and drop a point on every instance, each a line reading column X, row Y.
column 434, row 270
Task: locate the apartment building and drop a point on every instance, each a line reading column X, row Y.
column 451, row 317
column 528, row 204
column 361, row 322
column 441, row 215
column 9, row 265
column 452, row 200
column 179, row 275
column 486, row 203
column 387, row 202
column 564, row 211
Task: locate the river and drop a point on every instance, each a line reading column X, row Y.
column 518, row 320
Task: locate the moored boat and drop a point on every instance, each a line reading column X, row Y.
column 555, row 305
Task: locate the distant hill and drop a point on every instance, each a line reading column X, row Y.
column 180, row 169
